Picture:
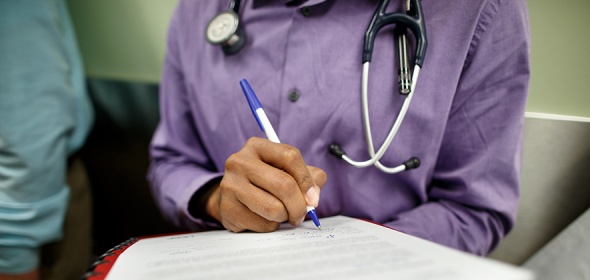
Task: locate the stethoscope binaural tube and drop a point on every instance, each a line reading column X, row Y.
column 414, row 20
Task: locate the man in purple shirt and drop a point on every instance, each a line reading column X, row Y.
column 213, row 168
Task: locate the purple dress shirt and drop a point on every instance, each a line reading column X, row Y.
column 465, row 122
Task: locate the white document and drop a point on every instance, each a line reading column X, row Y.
column 345, row 248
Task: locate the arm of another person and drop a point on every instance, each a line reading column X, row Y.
column 474, row 191
column 38, row 113
column 44, row 115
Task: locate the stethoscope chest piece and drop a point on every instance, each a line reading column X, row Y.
column 224, row 30
column 222, row 27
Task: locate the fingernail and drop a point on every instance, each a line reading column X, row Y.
column 312, row 196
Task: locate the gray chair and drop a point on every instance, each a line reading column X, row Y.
column 555, row 190
column 566, row 256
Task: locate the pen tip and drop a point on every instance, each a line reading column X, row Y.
column 319, row 227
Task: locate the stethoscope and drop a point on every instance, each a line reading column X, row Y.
column 225, row 30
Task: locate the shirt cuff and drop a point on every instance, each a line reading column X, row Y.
column 16, row 260
column 197, row 223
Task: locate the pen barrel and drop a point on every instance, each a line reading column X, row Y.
column 270, row 132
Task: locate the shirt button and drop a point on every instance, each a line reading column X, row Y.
column 293, row 95
column 306, row 11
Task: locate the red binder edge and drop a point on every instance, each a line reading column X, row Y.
column 101, row 267
column 103, row 264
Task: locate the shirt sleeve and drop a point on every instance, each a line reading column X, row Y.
column 179, row 163
column 473, row 195
column 43, row 106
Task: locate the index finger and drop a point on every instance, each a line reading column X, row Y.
column 290, row 160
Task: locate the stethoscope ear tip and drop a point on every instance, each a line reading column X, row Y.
column 336, row 150
column 412, row 163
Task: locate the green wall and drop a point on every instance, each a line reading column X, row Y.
column 122, row 39
column 560, row 57
column 125, row 40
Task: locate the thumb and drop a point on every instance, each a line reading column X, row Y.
column 312, row 196
column 318, row 175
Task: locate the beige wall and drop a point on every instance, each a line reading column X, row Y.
column 125, row 39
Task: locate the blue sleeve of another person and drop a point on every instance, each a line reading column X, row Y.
column 45, row 116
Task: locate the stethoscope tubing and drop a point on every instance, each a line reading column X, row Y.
column 375, row 157
column 413, row 19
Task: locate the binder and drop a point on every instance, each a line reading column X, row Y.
column 100, row 268
column 345, row 248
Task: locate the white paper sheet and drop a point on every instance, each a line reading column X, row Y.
column 345, row 248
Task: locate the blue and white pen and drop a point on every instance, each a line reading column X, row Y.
column 265, row 125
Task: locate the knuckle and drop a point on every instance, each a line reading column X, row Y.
column 232, row 224
column 273, row 210
column 253, row 142
column 271, row 226
column 227, row 222
column 291, row 154
column 306, row 179
column 302, row 181
column 292, row 157
column 227, row 225
column 232, row 227
column 285, row 186
column 225, row 210
column 265, row 226
column 227, row 191
column 234, row 161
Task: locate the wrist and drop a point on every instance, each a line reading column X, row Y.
column 204, row 203
column 212, row 203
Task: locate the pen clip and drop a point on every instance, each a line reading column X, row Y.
column 252, row 100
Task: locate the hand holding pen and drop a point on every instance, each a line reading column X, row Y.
column 264, row 184
column 266, row 126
